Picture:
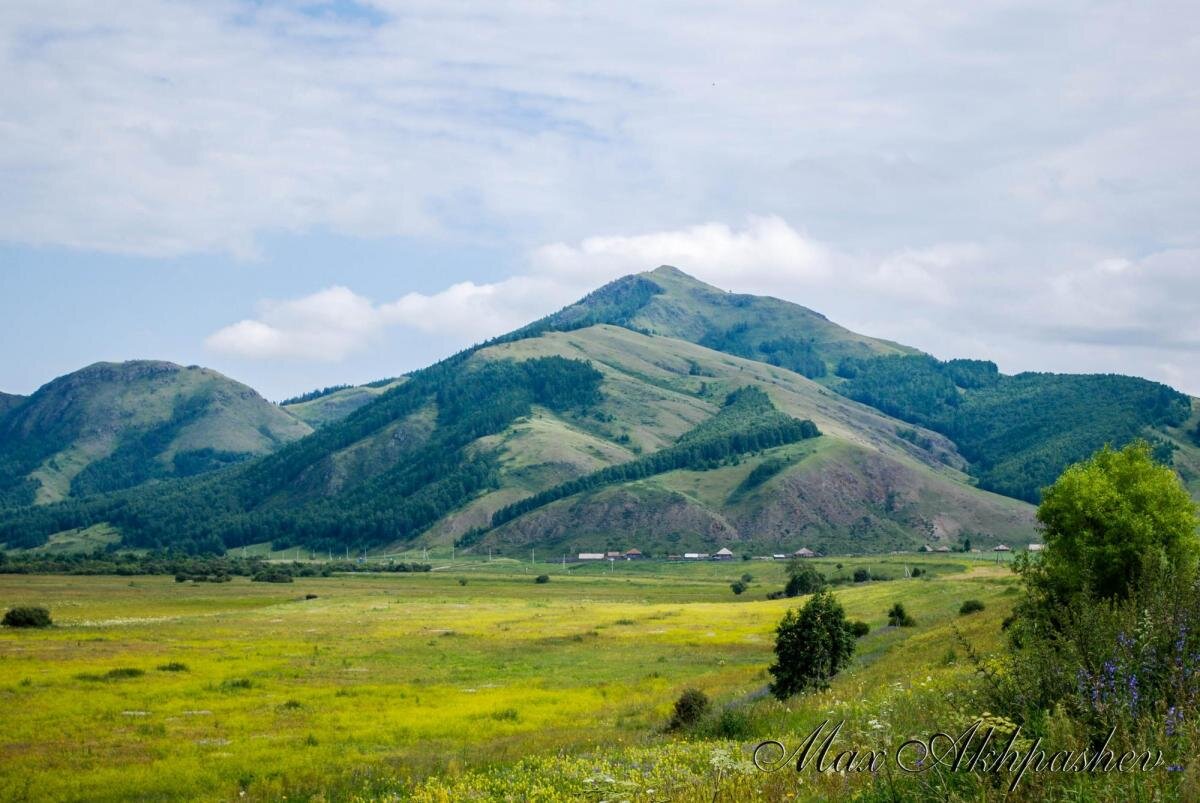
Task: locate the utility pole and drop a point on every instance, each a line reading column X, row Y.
column 532, row 556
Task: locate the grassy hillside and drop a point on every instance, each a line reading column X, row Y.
column 116, row 425
column 860, row 487
column 320, row 409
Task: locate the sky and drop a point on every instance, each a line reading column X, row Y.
column 303, row 194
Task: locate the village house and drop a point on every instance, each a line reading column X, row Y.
column 1001, row 548
column 591, row 556
column 723, row 554
column 804, row 552
column 633, row 554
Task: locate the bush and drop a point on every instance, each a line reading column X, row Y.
column 898, row 617
column 236, row 683
column 27, row 616
column 859, row 628
column 273, row 576
column 173, row 666
column 861, row 575
column 917, row 571
column 970, row 606
column 747, row 578
column 542, row 578
column 310, row 596
column 462, row 581
column 120, row 673
column 738, row 587
column 811, row 646
column 690, row 708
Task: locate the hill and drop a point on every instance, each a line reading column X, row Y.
column 333, row 404
column 8, row 401
column 114, row 425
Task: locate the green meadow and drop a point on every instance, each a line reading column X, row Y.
column 435, row 685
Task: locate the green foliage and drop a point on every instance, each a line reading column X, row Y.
column 1108, row 516
column 316, row 394
column 862, row 575
column 811, row 646
column 743, row 339
column 738, row 587
column 760, row 474
column 859, row 628
column 27, row 616
column 970, row 606
column 690, row 708
column 803, row 578
column 173, row 666
column 899, row 617
column 542, row 578
column 1018, row 432
column 747, row 422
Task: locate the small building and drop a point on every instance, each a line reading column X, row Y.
column 942, row 548
column 723, row 554
column 634, row 554
column 1036, row 547
column 695, row 556
column 925, row 548
column 613, row 555
column 779, row 556
column 804, row 552
column 674, row 557
column 591, row 556
column 1001, row 548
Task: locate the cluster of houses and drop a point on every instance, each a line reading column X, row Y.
column 726, row 554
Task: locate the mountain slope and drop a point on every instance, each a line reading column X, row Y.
column 320, row 408
column 8, row 401
column 114, row 425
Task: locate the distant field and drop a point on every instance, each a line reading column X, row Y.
column 383, row 682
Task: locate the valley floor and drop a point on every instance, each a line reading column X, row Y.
column 468, row 681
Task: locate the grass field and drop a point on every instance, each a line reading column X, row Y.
column 409, row 684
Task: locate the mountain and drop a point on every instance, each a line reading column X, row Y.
column 8, row 401
column 321, row 407
column 662, row 413
column 114, row 425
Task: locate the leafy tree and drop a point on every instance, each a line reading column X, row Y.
column 859, row 628
column 898, row 617
column 861, row 575
column 811, row 646
column 542, row 579
column 1108, row 517
column 738, row 587
column 802, row 579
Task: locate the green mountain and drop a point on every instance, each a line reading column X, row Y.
column 115, row 425
column 8, row 401
column 662, row 413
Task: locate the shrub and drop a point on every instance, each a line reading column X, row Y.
column 236, row 683
column 859, row 628
column 273, row 576
column 542, row 578
column 120, row 673
column 898, row 617
column 970, row 606
column 173, row 666
column 27, row 616
column 310, row 596
column 917, row 571
column 690, row 708
column 506, row 715
column 738, row 587
column 747, row 578
column 733, row 723
column 462, row 581
column 861, row 575
column 811, row 646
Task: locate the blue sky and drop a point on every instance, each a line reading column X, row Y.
column 303, row 194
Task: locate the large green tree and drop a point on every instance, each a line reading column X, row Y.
column 811, row 646
column 1108, row 518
